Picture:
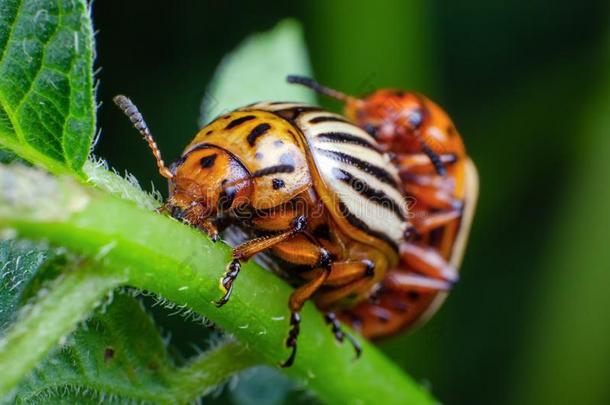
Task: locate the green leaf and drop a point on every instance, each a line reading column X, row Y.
column 119, row 354
column 20, row 263
column 257, row 71
column 46, row 93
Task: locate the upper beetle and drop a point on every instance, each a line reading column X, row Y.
column 440, row 179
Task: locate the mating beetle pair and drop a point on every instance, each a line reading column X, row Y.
column 328, row 195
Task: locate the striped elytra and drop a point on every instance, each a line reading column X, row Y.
column 308, row 187
column 437, row 175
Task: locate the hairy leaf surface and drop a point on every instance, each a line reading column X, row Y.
column 46, row 93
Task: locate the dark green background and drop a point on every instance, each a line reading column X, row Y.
column 528, row 86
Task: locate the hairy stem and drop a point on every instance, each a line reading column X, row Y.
column 181, row 264
column 53, row 315
column 210, row 369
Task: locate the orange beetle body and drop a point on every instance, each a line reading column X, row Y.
column 309, row 187
column 440, row 180
column 405, row 124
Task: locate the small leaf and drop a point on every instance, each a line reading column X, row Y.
column 6, row 156
column 46, row 93
column 119, row 354
column 20, row 263
column 257, row 70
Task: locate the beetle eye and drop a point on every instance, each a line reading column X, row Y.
column 416, row 118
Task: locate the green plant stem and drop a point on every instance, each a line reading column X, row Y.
column 210, row 369
column 53, row 315
column 158, row 254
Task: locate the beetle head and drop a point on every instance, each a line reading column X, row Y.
column 393, row 117
column 206, row 181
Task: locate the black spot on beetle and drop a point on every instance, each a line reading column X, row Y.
column 208, row 161
column 239, row 121
column 258, row 156
column 413, row 295
column 277, row 184
column 108, row 354
column 278, row 143
column 257, row 132
column 209, row 132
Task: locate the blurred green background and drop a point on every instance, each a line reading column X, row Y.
column 528, row 86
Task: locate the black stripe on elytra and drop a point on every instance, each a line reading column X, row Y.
column 376, row 196
column 273, row 170
column 327, row 118
column 239, row 121
column 344, row 137
column 378, row 172
column 360, row 224
column 258, row 130
column 292, row 113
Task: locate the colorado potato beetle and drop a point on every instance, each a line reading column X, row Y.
column 310, row 187
column 441, row 180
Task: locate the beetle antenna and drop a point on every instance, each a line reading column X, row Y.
column 318, row 88
column 131, row 111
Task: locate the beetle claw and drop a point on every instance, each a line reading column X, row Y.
column 340, row 335
column 290, row 360
column 225, row 297
column 291, row 340
column 226, row 282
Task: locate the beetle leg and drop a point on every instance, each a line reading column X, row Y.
column 346, row 272
column 427, row 261
column 300, row 250
column 396, row 280
column 331, row 319
column 250, row 248
column 436, row 197
column 210, row 228
column 420, row 163
column 303, row 251
column 355, row 288
column 429, row 222
column 431, row 189
column 297, row 299
column 347, row 277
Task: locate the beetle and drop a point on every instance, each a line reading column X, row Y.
column 310, row 187
column 438, row 175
